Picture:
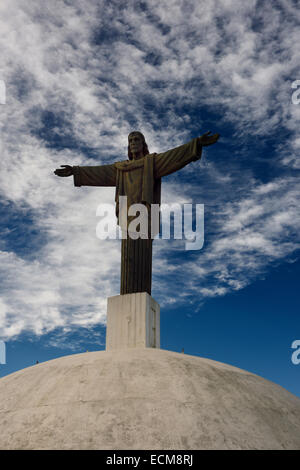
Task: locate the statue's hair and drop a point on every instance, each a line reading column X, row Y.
column 145, row 146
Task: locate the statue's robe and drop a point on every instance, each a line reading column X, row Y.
column 140, row 181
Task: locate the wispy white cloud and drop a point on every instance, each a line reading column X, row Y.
column 79, row 75
column 250, row 235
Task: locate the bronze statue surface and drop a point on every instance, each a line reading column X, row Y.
column 138, row 178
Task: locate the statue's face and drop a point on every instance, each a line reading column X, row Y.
column 135, row 142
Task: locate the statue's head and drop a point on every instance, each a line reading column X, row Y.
column 137, row 144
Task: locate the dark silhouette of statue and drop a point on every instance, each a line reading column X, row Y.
column 138, row 178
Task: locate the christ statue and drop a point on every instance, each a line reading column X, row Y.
column 138, row 178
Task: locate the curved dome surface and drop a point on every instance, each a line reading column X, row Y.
column 144, row 399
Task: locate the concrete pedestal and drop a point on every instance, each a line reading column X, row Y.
column 133, row 321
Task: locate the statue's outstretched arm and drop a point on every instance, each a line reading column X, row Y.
column 102, row 175
column 177, row 158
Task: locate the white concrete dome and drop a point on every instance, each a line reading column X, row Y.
column 144, row 399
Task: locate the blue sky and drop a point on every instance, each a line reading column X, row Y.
column 79, row 77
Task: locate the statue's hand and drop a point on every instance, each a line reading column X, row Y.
column 67, row 171
column 207, row 139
